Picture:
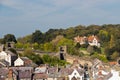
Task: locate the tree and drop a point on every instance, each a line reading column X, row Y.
column 34, row 57
column 77, row 45
column 103, row 35
column 48, row 47
column 112, row 41
column 115, row 55
column 90, row 49
column 9, row 38
column 37, row 37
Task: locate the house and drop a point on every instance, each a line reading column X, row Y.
column 52, row 73
column 24, row 61
column 8, row 56
column 77, row 74
column 19, row 62
column 22, row 73
column 115, row 75
column 99, row 71
column 93, row 41
column 41, row 69
column 40, row 76
column 81, row 40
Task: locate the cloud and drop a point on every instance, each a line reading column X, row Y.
column 45, row 14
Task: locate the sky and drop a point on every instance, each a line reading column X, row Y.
column 23, row 17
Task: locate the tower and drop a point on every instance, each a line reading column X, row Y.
column 62, row 52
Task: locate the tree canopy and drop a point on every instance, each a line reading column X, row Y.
column 9, row 38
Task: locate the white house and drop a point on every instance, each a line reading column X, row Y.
column 115, row 76
column 5, row 56
column 93, row 41
column 18, row 62
column 76, row 74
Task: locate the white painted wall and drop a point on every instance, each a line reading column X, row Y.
column 75, row 74
column 115, row 75
column 18, row 62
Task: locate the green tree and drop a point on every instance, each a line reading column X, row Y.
column 48, row 47
column 90, row 49
column 37, row 37
column 103, row 35
column 112, row 41
column 34, row 57
column 115, row 55
column 9, row 38
column 77, row 45
column 19, row 45
column 35, row 46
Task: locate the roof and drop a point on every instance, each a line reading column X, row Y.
column 52, row 70
column 4, row 72
column 41, row 69
column 40, row 76
column 91, row 38
column 113, row 63
column 25, row 74
column 80, row 71
column 4, row 63
column 28, row 62
column 9, row 52
column 80, row 39
column 65, row 71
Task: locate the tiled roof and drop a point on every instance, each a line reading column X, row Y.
column 4, row 63
column 52, row 70
column 65, row 71
column 91, row 38
column 80, row 71
column 24, row 74
column 40, row 76
column 3, row 72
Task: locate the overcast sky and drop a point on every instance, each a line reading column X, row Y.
column 22, row 17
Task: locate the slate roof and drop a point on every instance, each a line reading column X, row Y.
column 28, row 62
column 25, row 74
column 4, row 63
column 40, row 76
column 9, row 52
column 3, row 73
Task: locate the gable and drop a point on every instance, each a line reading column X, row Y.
column 19, row 60
column 75, row 73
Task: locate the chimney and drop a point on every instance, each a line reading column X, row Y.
column 10, row 74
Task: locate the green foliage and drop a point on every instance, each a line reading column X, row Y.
column 37, row 37
column 93, row 49
column 84, row 45
column 90, row 49
column 34, row 57
column 13, row 50
column 48, row 47
column 24, row 40
column 54, row 38
column 19, row 45
column 78, row 45
column 35, row 46
column 2, row 41
column 115, row 56
column 53, row 60
column 99, row 56
column 9, row 38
